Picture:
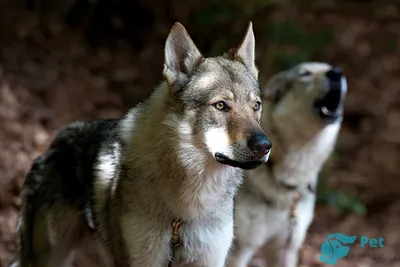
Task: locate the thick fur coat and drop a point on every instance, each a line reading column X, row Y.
column 302, row 114
column 114, row 187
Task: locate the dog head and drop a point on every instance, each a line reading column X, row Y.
column 333, row 249
column 217, row 99
column 305, row 98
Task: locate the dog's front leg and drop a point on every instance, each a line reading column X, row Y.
column 213, row 253
column 241, row 257
column 214, row 259
column 251, row 231
column 218, row 259
column 221, row 247
column 305, row 211
column 146, row 241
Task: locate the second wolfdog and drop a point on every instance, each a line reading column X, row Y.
column 303, row 114
column 169, row 168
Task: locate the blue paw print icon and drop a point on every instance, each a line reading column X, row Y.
column 333, row 248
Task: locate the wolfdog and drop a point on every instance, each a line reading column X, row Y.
column 303, row 113
column 157, row 186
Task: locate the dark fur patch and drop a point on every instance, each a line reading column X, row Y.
column 64, row 174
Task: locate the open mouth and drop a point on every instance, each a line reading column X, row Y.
column 327, row 114
column 330, row 107
column 221, row 158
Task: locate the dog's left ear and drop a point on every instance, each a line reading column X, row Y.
column 181, row 56
column 245, row 51
column 273, row 85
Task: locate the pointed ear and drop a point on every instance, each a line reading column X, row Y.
column 181, row 56
column 273, row 85
column 245, row 51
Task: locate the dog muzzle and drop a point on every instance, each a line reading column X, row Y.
column 330, row 106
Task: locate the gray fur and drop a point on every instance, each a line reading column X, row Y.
column 304, row 138
column 114, row 187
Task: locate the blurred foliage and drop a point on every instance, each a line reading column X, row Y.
column 344, row 203
column 229, row 11
column 288, row 45
column 393, row 44
column 293, row 45
column 217, row 12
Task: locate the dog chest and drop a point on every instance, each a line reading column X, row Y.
column 204, row 242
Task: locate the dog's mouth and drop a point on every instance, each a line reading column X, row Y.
column 248, row 165
column 330, row 107
column 328, row 110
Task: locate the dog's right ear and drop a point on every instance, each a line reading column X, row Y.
column 181, row 56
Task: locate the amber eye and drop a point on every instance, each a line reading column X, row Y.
column 257, row 106
column 221, row 105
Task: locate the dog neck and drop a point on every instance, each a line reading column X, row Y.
column 297, row 162
column 183, row 175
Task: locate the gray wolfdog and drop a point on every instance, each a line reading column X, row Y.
column 156, row 187
column 303, row 113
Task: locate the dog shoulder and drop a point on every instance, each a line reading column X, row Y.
column 106, row 171
column 66, row 168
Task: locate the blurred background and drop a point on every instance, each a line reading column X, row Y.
column 65, row 60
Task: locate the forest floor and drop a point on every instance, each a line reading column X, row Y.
column 49, row 77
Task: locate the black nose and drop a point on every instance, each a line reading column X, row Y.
column 334, row 74
column 259, row 144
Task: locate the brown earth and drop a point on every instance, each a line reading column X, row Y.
column 49, row 77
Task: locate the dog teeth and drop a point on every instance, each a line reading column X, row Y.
column 326, row 111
